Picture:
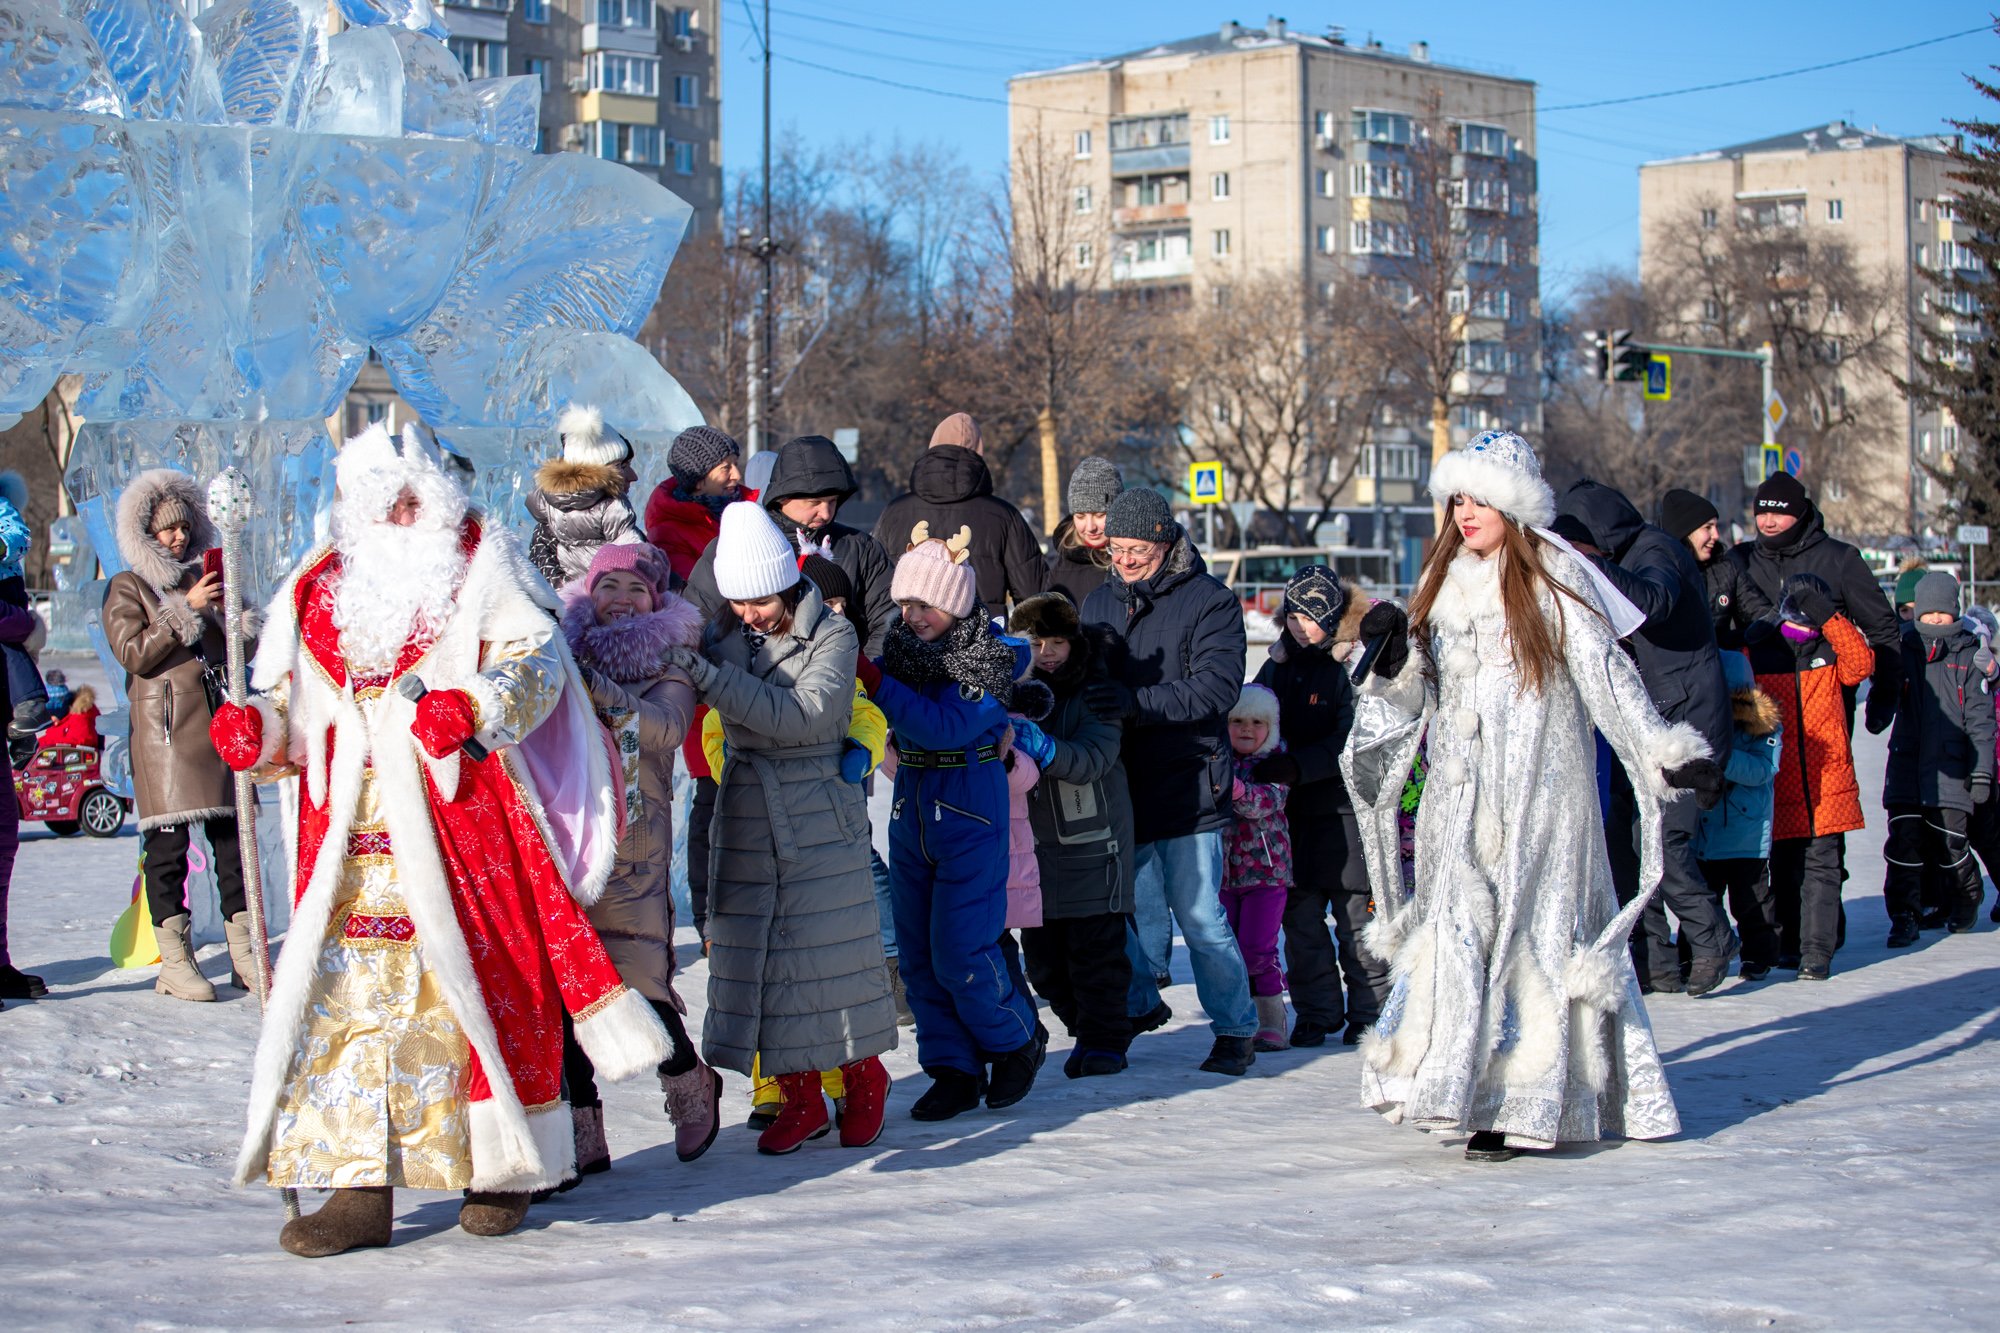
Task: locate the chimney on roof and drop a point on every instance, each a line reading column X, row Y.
column 1420, row 52
column 1231, row 30
column 1274, row 27
column 1336, row 34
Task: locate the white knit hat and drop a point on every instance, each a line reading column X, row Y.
column 586, row 439
column 752, row 558
column 1499, row 469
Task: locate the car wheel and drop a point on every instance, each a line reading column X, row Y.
column 102, row 813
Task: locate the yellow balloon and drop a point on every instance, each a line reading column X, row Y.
column 132, row 942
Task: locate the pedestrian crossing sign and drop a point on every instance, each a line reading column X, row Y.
column 1204, row 483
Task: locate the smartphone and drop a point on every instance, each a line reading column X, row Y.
column 211, row 562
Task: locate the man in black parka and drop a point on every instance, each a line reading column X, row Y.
column 951, row 488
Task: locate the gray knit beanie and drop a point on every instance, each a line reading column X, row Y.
column 1141, row 515
column 1937, row 591
column 696, row 452
column 1094, row 485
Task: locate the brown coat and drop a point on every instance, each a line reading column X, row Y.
column 161, row 642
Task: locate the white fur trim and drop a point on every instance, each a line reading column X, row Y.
column 1397, row 1054
column 1450, row 770
column 1488, row 837
column 1538, row 1031
column 1592, row 979
column 624, row 1038
column 1588, row 1036
column 1520, row 495
column 1677, row 744
column 518, row 1158
column 1383, row 935
column 1465, row 721
column 273, row 738
column 1461, row 661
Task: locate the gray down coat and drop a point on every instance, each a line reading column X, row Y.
column 647, row 709
column 164, row 645
column 796, row 972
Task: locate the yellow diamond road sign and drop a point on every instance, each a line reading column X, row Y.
column 1775, row 409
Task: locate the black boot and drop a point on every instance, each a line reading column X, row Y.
column 1230, row 1055
column 1305, row 1033
column 1489, row 1145
column 1903, row 932
column 18, row 985
column 1355, row 1030
column 1156, row 1017
column 952, row 1092
column 1014, row 1072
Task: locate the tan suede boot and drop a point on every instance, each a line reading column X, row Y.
column 242, row 953
column 487, row 1214
column 353, row 1219
column 179, row 977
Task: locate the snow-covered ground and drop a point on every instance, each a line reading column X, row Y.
column 1838, row 1169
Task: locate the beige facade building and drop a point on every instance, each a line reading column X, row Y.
column 1203, row 163
column 1888, row 201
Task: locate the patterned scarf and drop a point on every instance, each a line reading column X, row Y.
column 714, row 504
column 968, row 654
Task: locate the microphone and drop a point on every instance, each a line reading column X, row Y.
column 414, row 690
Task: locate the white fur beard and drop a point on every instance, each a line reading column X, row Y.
column 393, row 581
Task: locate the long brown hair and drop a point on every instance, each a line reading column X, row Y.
column 1537, row 647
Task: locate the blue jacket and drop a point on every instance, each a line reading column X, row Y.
column 1739, row 828
column 954, row 802
column 14, row 540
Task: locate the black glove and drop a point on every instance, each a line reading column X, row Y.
column 1982, row 789
column 1812, row 597
column 1880, row 709
column 1107, row 698
column 1389, row 625
column 1701, row 776
column 1278, row 767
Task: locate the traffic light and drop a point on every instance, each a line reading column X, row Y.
column 1597, row 353
column 1628, row 362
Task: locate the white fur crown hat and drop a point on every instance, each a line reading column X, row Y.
column 1497, row 468
column 586, row 439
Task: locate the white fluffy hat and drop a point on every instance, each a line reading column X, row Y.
column 752, row 558
column 1259, row 703
column 586, row 439
column 1497, row 468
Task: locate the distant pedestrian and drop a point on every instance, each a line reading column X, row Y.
column 1079, row 553
column 950, row 488
column 581, row 499
column 1733, row 600
column 704, row 477
column 1734, row 844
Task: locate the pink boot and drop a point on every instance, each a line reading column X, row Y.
column 694, row 1104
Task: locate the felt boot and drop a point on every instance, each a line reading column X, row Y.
column 179, row 977
column 803, row 1116
column 593, row 1154
column 351, row 1219
column 488, row 1214
column 694, row 1104
column 1270, row 1023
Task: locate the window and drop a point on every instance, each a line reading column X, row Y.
column 1379, row 180
column 636, row 145
column 1711, row 309
column 1477, row 417
column 687, row 90
column 1381, row 126
column 1482, row 140
column 625, row 13
column 1923, row 256
column 1329, row 289
column 1708, row 219
column 535, row 11
column 1083, row 143
column 1327, row 183
column 684, row 23
column 1948, row 437
column 1482, row 247
column 1381, row 238
column 1219, row 296
column 1329, row 241
column 1218, row 185
column 1399, row 462
column 1148, row 132
column 1835, row 306
column 1085, row 254
column 1083, row 200
column 537, row 68
column 1218, row 129
column 1323, row 124
column 1219, row 243
column 479, row 60
column 1835, row 212
column 1772, row 212
column 1486, row 195
column 632, row 76
column 1485, row 358
column 683, row 159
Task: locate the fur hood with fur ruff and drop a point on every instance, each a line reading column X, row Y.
column 1754, row 711
column 630, row 650
column 142, row 552
column 579, row 485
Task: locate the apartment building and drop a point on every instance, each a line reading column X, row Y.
column 1887, row 199
column 1242, row 152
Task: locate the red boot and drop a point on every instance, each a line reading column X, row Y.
column 803, row 1117
column 867, row 1102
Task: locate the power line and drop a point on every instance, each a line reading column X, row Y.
column 1037, row 52
column 822, row 44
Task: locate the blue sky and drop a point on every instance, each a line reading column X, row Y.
column 1575, row 53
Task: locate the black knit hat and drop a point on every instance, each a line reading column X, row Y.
column 828, row 577
column 1681, row 512
column 1315, row 592
column 1142, row 515
column 697, row 451
column 1781, row 493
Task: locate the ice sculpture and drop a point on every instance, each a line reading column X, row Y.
column 214, row 221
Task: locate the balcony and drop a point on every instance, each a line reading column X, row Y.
column 616, row 37
column 1152, row 270
column 1144, row 215
column 1149, row 161
column 484, row 24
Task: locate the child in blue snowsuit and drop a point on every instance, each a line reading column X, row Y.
column 25, row 690
column 946, row 683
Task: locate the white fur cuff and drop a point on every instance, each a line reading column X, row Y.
column 504, row 1161
column 180, row 617
column 624, row 1038
column 1383, row 935
column 1678, row 744
column 274, row 731
column 1592, row 979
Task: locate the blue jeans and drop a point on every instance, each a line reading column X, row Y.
column 885, row 910
column 1186, row 874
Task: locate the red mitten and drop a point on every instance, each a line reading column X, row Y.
column 869, row 674
column 238, row 736
column 445, row 721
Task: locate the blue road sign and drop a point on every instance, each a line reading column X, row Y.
column 1793, row 462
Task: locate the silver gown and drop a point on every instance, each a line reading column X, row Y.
column 1514, row 1004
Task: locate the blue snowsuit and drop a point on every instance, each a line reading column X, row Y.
column 948, row 875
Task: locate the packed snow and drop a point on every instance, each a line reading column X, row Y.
column 1840, row 1157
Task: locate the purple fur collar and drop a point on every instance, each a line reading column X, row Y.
column 629, row 650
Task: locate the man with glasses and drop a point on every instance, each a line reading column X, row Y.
column 1173, row 681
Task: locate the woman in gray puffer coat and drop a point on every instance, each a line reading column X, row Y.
column 796, row 973
column 620, row 627
column 580, row 500
column 163, row 620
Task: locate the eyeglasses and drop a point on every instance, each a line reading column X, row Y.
column 1133, row 551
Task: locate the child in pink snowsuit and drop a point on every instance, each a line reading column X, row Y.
column 1258, row 871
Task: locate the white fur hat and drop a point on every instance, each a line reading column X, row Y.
column 1497, row 468
column 752, row 558
column 1260, row 704
column 586, row 439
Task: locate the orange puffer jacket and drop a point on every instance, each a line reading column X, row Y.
column 1816, row 791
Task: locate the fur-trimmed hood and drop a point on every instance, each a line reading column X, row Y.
column 579, row 485
column 142, row 552
column 1047, row 615
column 630, row 650
column 1754, row 711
